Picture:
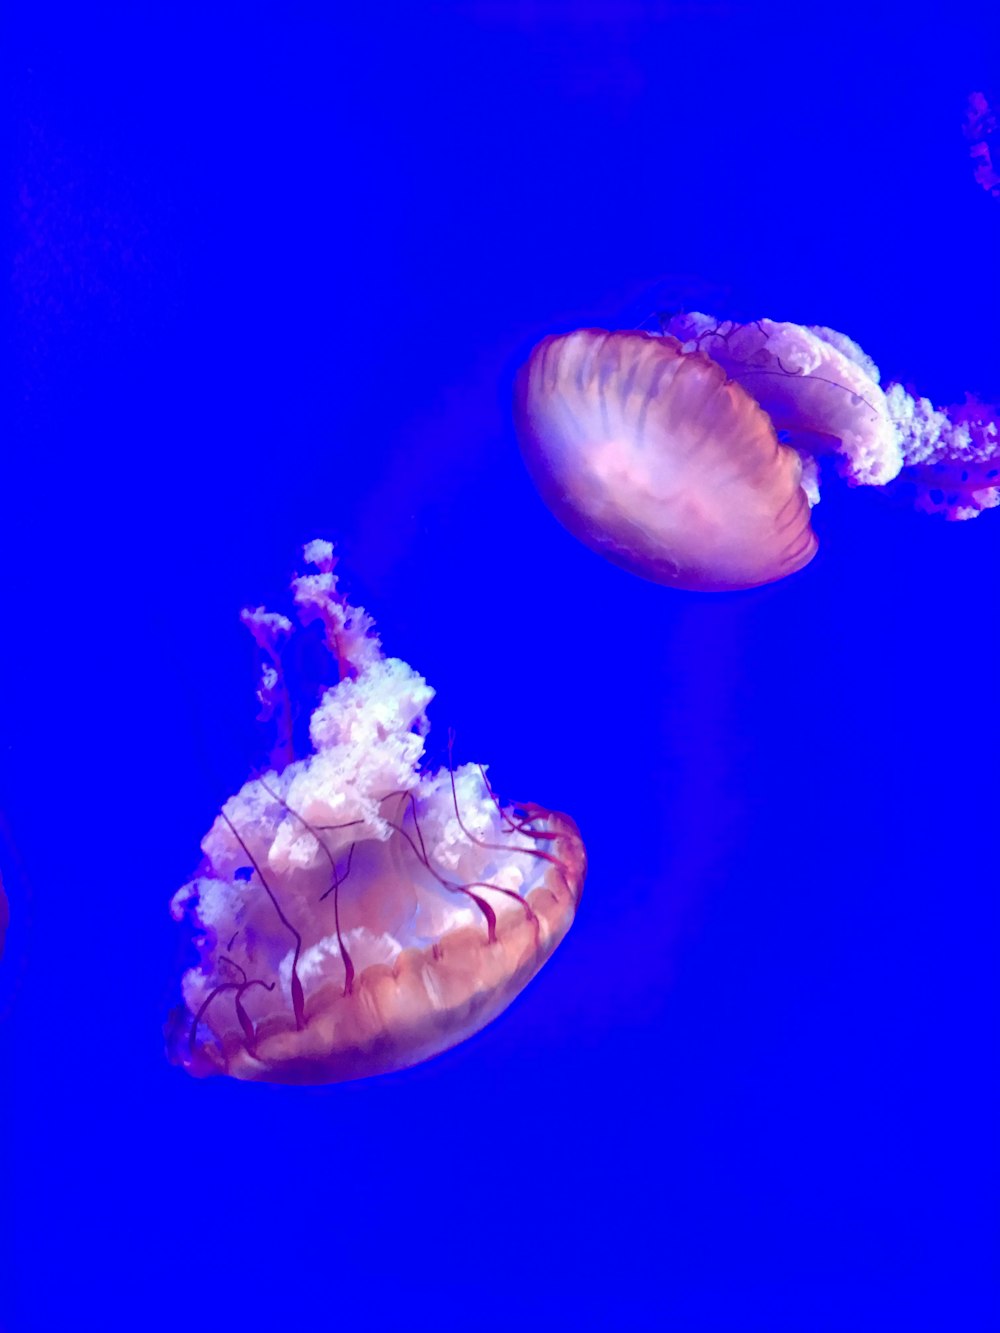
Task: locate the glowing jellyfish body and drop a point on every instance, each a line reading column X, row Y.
column 353, row 914
column 692, row 457
column 653, row 457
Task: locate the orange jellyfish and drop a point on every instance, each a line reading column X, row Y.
column 654, row 457
column 693, row 457
column 355, row 914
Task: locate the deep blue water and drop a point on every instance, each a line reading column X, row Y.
column 272, row 279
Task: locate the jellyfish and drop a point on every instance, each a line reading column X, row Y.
column 354, row 913
column 692, row 456
column 655, row 458
column 980, row 130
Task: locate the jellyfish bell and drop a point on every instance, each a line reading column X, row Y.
column 653, row 456
column 355, row 914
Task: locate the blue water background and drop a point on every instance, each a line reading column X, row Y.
column 272, row 278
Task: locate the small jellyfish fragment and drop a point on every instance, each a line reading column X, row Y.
column 982, row 136
column 354, row 913
column 654, row 457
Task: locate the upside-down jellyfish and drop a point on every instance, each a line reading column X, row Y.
column 692, row 457
column 354, row 914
